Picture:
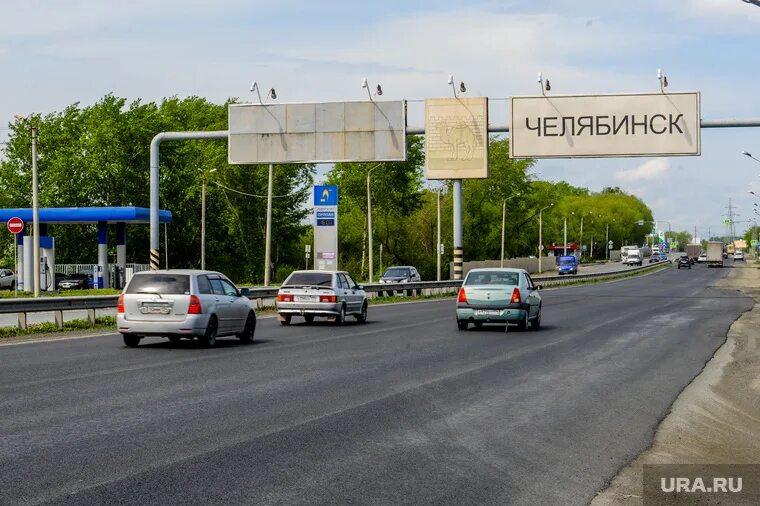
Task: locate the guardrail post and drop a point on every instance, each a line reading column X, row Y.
column 59, row 318
column 22, row 321
column 91, row 315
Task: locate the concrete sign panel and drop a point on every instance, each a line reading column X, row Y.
column 456, row 138
column 326, row 228
column 317, row 133
column 655, row 124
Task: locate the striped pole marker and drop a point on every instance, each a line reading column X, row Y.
column 154, row 259
column 458, row 262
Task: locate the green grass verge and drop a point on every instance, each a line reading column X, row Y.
column 101, row 322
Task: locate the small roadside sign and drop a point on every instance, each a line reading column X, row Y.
column 15, row 225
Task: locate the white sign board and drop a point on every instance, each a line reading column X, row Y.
column 317, row 133
column 655, row 124
column 456, row 138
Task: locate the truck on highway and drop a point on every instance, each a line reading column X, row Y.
column 693, row 251
column 714, row 254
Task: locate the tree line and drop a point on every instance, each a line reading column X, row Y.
column 98, row 155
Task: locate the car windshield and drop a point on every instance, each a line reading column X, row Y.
column 162, row 284
column 492, row 278
column 309, row 278
column 567, row 261
column 396, row 273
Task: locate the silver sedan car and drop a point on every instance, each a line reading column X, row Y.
column 184, row 304
column 327, row 294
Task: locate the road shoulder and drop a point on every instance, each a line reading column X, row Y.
column 716, row 418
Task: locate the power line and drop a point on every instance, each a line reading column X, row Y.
column 259, row 196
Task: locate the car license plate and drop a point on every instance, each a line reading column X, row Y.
column 487, row 312
column 305, row 298
column 155, row 310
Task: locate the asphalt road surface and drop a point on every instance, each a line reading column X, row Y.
column 404, row 409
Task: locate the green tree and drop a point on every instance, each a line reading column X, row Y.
column 98, row 155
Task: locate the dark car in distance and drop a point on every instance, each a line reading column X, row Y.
column 684, row 261
column 76, row 281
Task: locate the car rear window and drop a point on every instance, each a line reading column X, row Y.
column 162, row 284
column 309, row 278
column 396, row 273
column 492, row 278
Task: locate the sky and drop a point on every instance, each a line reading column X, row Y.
column 57, row 52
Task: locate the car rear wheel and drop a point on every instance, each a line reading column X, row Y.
column 131, row 340
column 523, row 324
column 250, row 328
column 175, row 339
column 362, row 317
column 285, row 320
column 536, row 323
column 208, row 339
column 341, row 318
column 309, row 319
column 462, row 324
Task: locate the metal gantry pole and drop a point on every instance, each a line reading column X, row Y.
column 155, row 148
column 458, row 246
column 268, row 239
column 35, row 213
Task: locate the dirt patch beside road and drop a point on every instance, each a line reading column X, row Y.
column 716, row 419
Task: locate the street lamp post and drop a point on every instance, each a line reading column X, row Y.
column 369, row 222
column 268, row 241
column 749, row 155
column 540, row 234
column 503, row 224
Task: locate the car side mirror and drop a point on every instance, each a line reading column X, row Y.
column 245, row 292
column 360, row 287
column 539, row 287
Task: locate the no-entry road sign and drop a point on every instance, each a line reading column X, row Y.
column 15, row 225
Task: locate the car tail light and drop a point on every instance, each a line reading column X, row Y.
column 516, row 296
column 120, row 304
column 284, row 297
column 328, row 298
column 462, row 296
column 195, row 305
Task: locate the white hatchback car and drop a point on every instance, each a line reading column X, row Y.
column 184, row 304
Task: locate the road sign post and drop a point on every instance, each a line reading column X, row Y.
column 15, row 226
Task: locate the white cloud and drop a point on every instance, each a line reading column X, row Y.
column 647, row 171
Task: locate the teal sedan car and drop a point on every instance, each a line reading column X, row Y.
column 499, row 296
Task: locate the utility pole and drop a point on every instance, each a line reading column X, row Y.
column 438, row 240
column 607, row 243
column 36, row 213
column 503, row 223
column 564, row 246
column 540, row 237
column 203, row 221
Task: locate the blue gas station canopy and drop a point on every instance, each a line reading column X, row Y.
column 85, row 215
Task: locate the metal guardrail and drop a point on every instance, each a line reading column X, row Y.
column 265, row 296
